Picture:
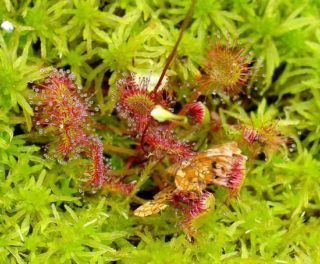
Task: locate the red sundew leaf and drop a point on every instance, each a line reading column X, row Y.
column 198, row 113
column 266, row 138
column 64, row 112
column 136, row 102
column 227, row 69
column 159, row 140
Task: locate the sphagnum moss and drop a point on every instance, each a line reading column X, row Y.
column 46, row 217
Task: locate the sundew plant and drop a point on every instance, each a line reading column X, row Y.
column 156, row 131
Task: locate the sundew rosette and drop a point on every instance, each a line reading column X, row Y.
column 227, row 69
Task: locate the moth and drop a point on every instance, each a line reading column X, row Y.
column 221, row 165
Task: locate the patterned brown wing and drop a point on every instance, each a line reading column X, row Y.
column 158, row 204
column 202, row 169
column 150, row 208
column 194, row 176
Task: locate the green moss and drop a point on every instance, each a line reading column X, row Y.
column 45, row 217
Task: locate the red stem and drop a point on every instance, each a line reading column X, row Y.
column 143, row 136
column 174, row 50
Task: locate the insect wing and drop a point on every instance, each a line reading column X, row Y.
column 150, row 208
column 202, row 169
column 159, row 203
